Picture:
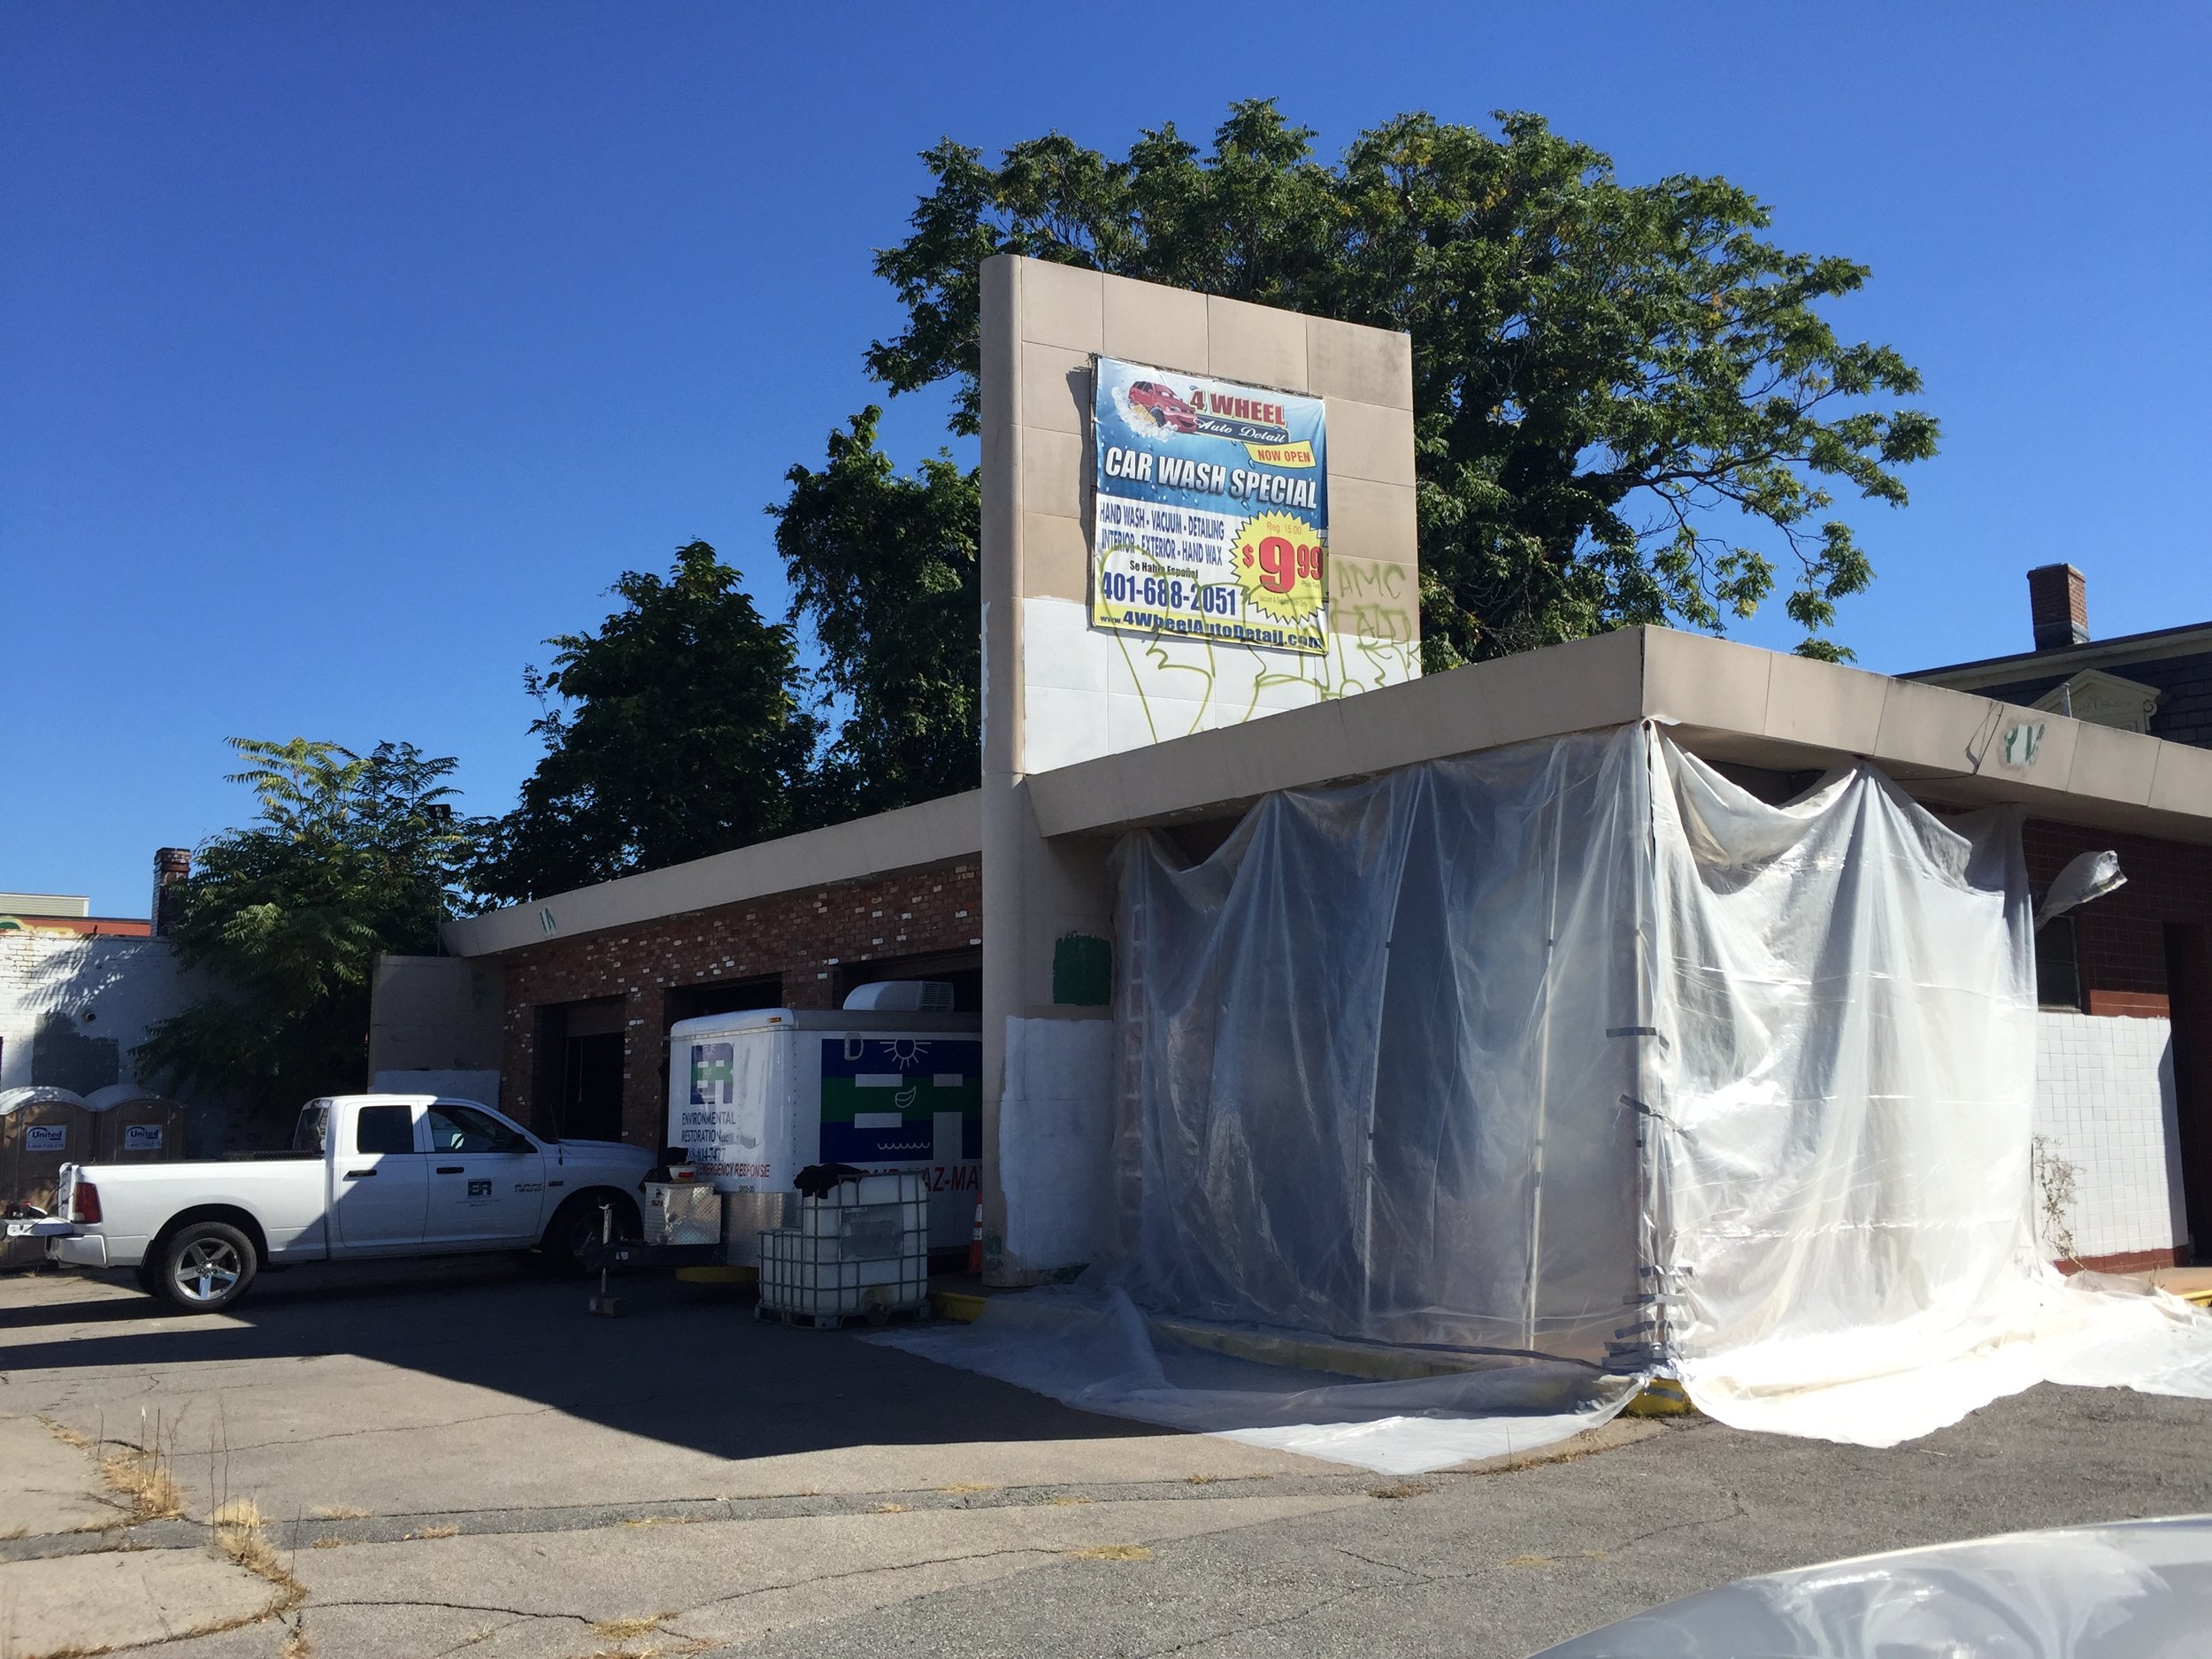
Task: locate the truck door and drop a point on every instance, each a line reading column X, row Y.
column 379, row 1183
column 487, row 1180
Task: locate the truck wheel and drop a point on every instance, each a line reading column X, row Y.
column 576, row 1224
column 206, row 1266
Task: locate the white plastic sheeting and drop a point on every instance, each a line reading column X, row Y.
column 1096, row 1350
column 1379, row 1052
column 1578, row 1050
column 2128, row 1590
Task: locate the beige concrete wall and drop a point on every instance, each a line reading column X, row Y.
column 1058, row 693
column 1721, row 700
column 1078, row 692
column 435, row 1014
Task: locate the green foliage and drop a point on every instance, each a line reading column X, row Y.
column 349, row 856
column 1616, row 387
column 680, row 736
column 883, row 567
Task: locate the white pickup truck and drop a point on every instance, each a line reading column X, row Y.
column 368, row 1176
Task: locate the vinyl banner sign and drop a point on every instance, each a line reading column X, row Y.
column 1211, row 516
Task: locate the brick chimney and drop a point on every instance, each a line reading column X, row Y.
column 172, row 865
column 2058, row 605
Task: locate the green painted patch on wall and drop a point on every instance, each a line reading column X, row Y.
column 1082, row 971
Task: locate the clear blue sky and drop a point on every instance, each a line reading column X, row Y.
column 347, row 352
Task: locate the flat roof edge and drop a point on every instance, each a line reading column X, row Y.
column 907, row 838
column 1724, row 700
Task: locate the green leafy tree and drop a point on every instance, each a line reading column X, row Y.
column 672, row 732
column 883, row 568
column 1629, row 407
column 350, row 855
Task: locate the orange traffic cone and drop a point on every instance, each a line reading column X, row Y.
column 975, row 1241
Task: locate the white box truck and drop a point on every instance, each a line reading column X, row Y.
column 754, row 1097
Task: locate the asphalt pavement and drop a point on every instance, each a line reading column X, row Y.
column 455, row 1458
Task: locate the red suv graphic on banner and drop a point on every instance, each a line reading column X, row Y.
column 1164, row 406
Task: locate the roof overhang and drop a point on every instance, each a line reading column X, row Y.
column 2187, row 640
column 1722, row 701
column 913, row 838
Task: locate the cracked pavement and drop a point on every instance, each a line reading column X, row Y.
column 453, row 1458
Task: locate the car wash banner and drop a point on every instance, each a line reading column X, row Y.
column 1211, row 515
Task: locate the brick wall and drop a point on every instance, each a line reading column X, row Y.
column 2120, row 939
column 803, row 937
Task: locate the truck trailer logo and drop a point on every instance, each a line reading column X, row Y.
column 901, row 1100
column 713, row 1074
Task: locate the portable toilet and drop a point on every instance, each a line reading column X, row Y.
column 131, row 1125
column 754, row 1097
column 41, row 1128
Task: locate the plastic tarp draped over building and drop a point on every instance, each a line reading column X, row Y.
column 1577, row 1050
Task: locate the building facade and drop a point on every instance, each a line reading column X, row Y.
column 1090, row 736
column 2122, row 982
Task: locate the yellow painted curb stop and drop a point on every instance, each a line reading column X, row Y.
column 717, row 1274
column 961, row 1305
column 1662, row 1397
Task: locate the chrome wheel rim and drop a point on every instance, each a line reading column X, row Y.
column 207, row 1270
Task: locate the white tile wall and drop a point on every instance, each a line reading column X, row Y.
column 1089, row 692
column 2104, row 1098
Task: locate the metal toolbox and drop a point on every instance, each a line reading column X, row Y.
column 682, row 1213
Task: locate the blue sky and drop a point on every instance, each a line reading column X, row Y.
column 347, row 352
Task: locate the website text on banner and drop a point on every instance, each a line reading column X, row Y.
column 1211, row 511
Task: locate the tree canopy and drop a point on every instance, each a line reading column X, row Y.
column 883, row 568
column 1629, row 406
column 350, row 855
column 676, row 730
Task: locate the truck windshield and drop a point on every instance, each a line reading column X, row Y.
column 314, row 1128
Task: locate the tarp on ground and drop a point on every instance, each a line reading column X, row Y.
column 1580, row 1052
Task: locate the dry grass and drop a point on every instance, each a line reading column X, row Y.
column 1066, row 1502
column 890, row 1509
column 448, row 1530
column 1402, row 1489
column 1112, row 1552
column 339, row 1512
column 328, row 1543
column 295, row 1646
column 140, row 1475
column 969, row 1486
column 240, row 1534
column 664, row 1520
column 1530, row 1561
column 623, row 1629
column 1200, row 1480
column 67, row 1435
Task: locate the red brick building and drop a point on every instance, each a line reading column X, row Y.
column 571, row 1000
